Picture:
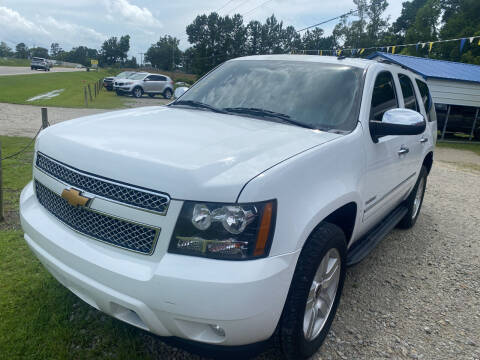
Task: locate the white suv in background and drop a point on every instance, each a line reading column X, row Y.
column 40, row 64
column 229, row 217
column 141, row 83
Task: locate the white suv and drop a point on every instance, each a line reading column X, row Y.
column 229, row 217
column 141, row 83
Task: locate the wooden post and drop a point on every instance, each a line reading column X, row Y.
column 95, row 89
column 1, row 186
column 474, row 124
column 446, row 121
column 44, row 118
column 90, row 93
column 85, row 93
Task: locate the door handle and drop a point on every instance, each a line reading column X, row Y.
column 423, row 139
column 403, row 150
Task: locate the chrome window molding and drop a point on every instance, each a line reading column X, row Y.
column 161, row 209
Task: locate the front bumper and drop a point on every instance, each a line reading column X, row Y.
column 166, row 294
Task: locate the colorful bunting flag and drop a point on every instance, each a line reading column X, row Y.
column 416, row 47
column 430, row 47
column 471, row 39
column 462, row 44
column 361, row 51
column 393, row 49
column 423, row 45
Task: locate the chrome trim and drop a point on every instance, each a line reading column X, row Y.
column 387, row 194
column 157, row 229
column 90, row 194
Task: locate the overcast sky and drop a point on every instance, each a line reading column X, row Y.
column 90, row 22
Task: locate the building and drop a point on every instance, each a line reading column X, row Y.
column 455, row 89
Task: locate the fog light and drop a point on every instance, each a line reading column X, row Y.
column 218, row 330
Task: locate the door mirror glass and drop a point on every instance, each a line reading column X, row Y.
column 180, row 91
column 398, row 122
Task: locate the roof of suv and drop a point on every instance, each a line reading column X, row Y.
column 357, row 62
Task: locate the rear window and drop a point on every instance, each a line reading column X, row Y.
column 320, row 95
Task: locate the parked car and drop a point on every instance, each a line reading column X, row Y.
column 229, row 217
column 40, row 64
column 145, row 83
column 109, row 81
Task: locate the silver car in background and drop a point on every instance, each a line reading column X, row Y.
column 145, row 83
column 109, row 81
column 40, row 64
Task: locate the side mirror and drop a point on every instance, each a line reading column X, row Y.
column 180, row 91
column 398, row 122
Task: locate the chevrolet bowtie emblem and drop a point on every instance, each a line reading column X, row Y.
column 74, row 198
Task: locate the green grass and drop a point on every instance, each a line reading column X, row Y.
column 14, row 62
column 475, row 147
column 19, row 88
column 39, row 318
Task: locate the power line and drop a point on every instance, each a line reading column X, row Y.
column 224, row 5
column 255, row 8
column 351, row 12
column 238, row 6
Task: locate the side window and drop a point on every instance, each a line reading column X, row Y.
column 408, row 93
column 149, row 78
column 161, row 78
column 426, row 98
column 384, row 97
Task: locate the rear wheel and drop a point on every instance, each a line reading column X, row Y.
column 314, row 293
column 167, row 94
column 137, row 92
column 414, row 201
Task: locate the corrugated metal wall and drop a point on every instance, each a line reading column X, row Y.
column 452, row 92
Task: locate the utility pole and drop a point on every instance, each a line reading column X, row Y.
column 141, row 58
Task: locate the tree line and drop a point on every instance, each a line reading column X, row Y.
column 215, row 38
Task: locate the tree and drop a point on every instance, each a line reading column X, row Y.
column 55, row 50
column 5, row 50
column 39, row 52
column 21, row 51
column 114, row 50
column 79, row 55
column 164, row 54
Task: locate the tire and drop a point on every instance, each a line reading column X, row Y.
column 167, row 94
column 119, row 93
column 151, row 95
column 414, row 201
column 137, row 92
column 293, row 333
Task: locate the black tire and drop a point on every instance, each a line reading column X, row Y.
column 411, row 216
column 151, row 95
column 290, row 332
column 118, row 92
column 137, row 92
column 167, row 94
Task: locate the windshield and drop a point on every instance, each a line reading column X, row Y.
column 317, row 95
column 137, row 76
column 123, row 74
column 37, row 59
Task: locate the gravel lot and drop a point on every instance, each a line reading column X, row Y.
column 22, row 70
column 417, row 296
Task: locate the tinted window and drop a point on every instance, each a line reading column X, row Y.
column 426, row 98
column 161, row 78
column 384, row 97
column 408, row 92
column 320, row 95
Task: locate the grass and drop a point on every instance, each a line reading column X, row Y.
column 475, row 147
column 19, row 88
column 14, row 62
column 40, row 319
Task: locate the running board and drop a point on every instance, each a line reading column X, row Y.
column 361, row 248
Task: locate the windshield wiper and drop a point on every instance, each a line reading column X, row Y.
column 197, row 104
column 266, row 113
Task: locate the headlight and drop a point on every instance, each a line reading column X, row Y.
column 224, row 231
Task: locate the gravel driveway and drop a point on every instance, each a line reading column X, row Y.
column 22, row 70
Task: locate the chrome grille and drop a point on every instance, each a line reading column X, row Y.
column 121, row 233
column 94, row 185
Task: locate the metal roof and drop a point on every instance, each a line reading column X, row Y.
column 437, row 69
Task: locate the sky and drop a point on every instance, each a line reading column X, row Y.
column 90, row 22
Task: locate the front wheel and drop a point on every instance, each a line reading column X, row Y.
column 137, row 92
column 314, row 293
column 414, row 201
column 118, row 92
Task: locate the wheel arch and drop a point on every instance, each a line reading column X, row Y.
column 428, row 161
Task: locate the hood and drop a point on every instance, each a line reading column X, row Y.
column 189, row 154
